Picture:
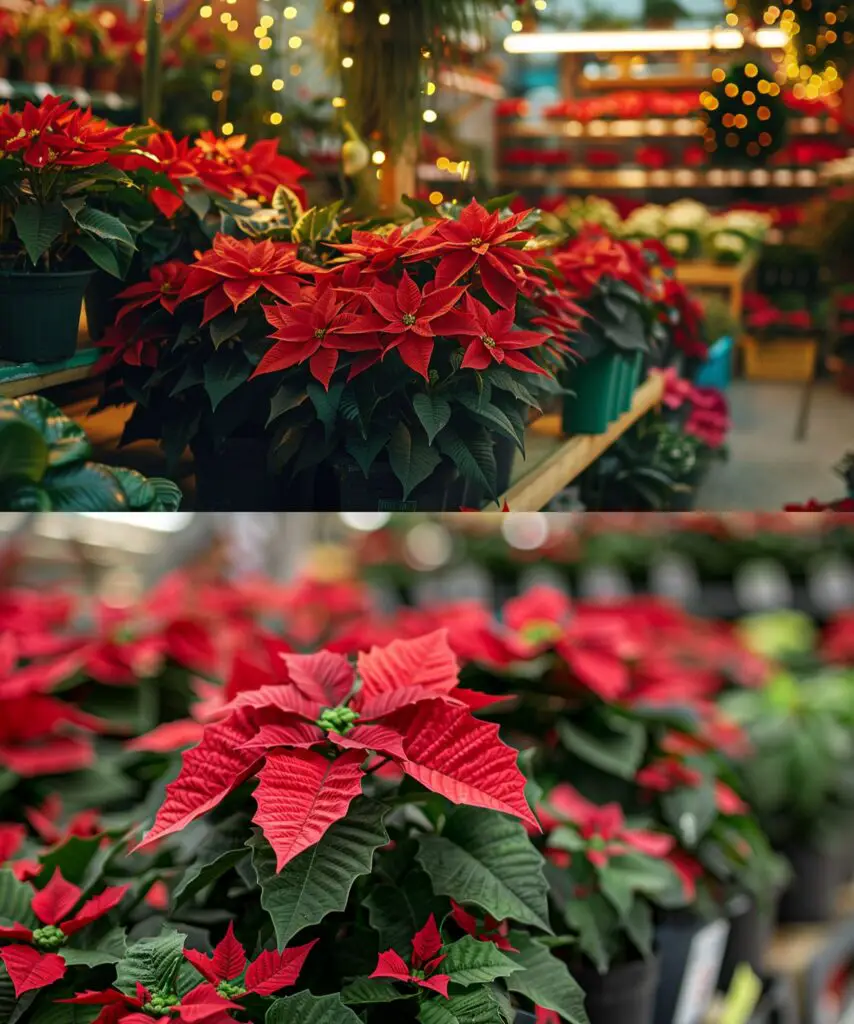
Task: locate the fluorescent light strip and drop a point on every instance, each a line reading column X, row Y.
column 671, row 41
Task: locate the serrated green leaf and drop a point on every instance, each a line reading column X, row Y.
column 304, row 1008
column 154, row 963
column 433, row 412
column 319, row 880
column 326, row 403
column 485, row 858
column 478, row 1007
column 109, row 257
column 38, row 227
column 545, row 980
column 412, row 459
column 87, row 957
column 364, row 991
column 471, row 962
column 491, row 415
column 199, row 875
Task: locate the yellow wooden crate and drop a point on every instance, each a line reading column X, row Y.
column 779, row 359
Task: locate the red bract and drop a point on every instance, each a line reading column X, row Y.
column 316, row 331
column 233, row 270
column 481, row 240
column 32, row 740
column 591, row 256
column 255, row 172
column 268, row 973
column 177, row 160
column 603, row 828
column 308, row 740
column 202, row 1005
column 46, row 818
column 164, row 286
column 669, row 773
column 373, row 251
column 424, row 962
column 413, row 320
column 12, row 838
column 491, row 930
column 52, row 135
column 492, row 338
column 33, row 966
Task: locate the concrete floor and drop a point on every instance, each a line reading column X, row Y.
column 767, row 468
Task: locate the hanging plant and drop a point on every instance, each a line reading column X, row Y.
column 387, row 52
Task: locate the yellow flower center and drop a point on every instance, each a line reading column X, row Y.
column 489, row 342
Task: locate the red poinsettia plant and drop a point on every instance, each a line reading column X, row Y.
column 397, row 354
column 390, row 870
column 56, row 176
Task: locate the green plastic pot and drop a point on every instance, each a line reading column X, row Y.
column 41, row 315
column 597, row 386
column 631, row 374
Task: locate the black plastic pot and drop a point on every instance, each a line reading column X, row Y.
column 811, row 896
column 625, row 995
column 101, row 303
column 678, row 937
column 236, row 477
column 443, row 491
column 41, row 315
column 505, row 456
column 751, row 929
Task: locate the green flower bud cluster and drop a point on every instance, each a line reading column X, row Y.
column 340, row 720
column 162, row 1002
column 230, row 989
column 49, row 937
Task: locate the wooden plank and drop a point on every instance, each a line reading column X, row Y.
column 18, row 379
column 544, row 481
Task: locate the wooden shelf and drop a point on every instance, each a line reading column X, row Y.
column 732, row 279
column 602, row 130
column 560, row 461
column 630, row 178
column 18, row 379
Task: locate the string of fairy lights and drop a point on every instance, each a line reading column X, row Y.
column 271, row 28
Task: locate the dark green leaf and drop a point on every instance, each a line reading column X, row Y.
column 366, row 450
column 485, row 858
column 72, row 857
column 304, row 1008
column 225, row 371
column 478, row 1007
column 84, row 487
column 115, row 260
column 474, row 456
column 224, row 327
column 433, row 412
column 284, row 400
column 154, row 963
column 411, row 457
column 15, row 900
column 471, row 962
column 319, row 880
column 619, row 752
column 38, row 227
column 326, row 403
column 545, row 980
column 24, row 452
column 66, row 440
column 104, row 226
column 364, row 991
column 397, row 912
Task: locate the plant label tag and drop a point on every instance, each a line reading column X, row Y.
column 701, row 973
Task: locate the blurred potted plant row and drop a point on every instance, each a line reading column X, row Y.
column 440, row 813
column 331, row 363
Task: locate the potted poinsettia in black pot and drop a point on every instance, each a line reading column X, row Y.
column 55, row 172
column 607, row 874
column 800, row 779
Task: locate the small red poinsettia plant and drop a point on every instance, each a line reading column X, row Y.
column 608, row 875
column 395, row 353
column 55, row 176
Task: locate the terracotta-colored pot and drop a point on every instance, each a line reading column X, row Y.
column 70, row 75
column 105, row 79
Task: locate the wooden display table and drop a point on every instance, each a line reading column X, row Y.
column 553, row 462
column 717, row 277
column 18, row 379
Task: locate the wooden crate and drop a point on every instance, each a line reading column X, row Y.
column 779, row 359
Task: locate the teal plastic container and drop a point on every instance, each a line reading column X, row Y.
column 598, row 394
